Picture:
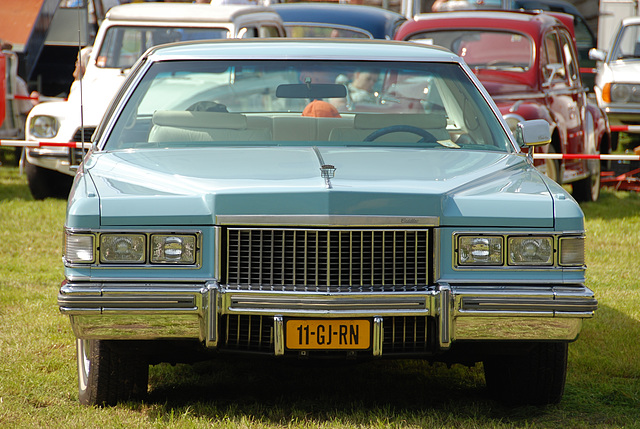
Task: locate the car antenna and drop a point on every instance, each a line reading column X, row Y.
column 81, row 77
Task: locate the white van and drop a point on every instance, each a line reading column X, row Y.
column 126, row 33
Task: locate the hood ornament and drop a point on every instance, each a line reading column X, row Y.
column 327, row 172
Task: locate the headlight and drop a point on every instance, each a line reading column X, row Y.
column 621, row 93
column 572, row 251
column 44, row 126
column 78, row 248
column 512, row 121
column 530, row 250
column 122, row 248
column 173, row 249
column 480, row 250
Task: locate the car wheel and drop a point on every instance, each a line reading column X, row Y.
column 550, row 167
column 44, row 183
column 534, row 378
column 107, row 373
column 588, row 189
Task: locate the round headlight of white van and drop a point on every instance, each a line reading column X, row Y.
column 44, row 127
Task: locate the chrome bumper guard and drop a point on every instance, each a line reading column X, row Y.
column 163, row 311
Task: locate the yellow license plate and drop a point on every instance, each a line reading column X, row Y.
column 328, row 334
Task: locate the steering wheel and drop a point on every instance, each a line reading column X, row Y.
column 426, row 135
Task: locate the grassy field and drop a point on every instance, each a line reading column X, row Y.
column 37, row 353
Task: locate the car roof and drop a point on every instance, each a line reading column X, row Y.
column 377, row 21
column 302, row 49
column 522, row 21
column 181, row 12
column 549, row 5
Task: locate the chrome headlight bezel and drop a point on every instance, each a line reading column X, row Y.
column 122, row 248
column 177, row 249
column 572, row 251
column 100, row 248
column 44, row 126
column 530, row 250
column 480, row 250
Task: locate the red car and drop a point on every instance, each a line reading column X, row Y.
column 528, row 62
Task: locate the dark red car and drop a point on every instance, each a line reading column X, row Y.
column 528, row 62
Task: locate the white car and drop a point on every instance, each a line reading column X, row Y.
column 617, row 85
column 126, row 33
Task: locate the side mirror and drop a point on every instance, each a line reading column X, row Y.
column 597, row 54
column 533, row 133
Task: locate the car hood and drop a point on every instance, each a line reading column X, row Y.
column 193, row 186
column 625, row 71
column 498, row 83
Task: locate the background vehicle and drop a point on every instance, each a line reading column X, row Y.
column 338, row 20
column 229, row 206
column 585, row 37
column 127, row 32
column 618, row 77
column 528, row 63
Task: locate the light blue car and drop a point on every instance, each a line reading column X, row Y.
column 254, row 196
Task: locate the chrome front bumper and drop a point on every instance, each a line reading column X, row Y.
column 193, row 311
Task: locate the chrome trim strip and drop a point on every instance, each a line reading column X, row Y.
column 516, row 301
column 445, row 327
column 314, row 304
column 302, row 221
column 211, row 313
column 436, row 252
column 278, row 335
column 377, row 336
column 535, row 305
column 217, row 248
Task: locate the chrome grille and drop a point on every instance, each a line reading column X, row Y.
column 409, row 334
column 343, row 258
column 88, row 132
column 402, row 334
column 250, row 333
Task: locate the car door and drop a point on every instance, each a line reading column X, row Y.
column 565, row 96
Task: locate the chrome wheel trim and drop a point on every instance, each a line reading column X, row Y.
column 84, row 363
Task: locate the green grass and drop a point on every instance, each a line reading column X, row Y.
column 37, row 353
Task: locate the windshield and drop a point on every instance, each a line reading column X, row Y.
column 123, row 45
column 628, row 45
column 180, row 103
column 499, row 50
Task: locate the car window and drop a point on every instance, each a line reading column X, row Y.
column 325, row 31
column 570, row 58
column 195, row 103
column 247, row 33
column 628, row 44
column 123, row 45
column 484, row 49
column 551, row 62
column 584, row 37
column 269, row 31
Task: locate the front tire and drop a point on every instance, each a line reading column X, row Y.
column 534, row 378
column 588, row 189
column 109, row 373
column 44, row 183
